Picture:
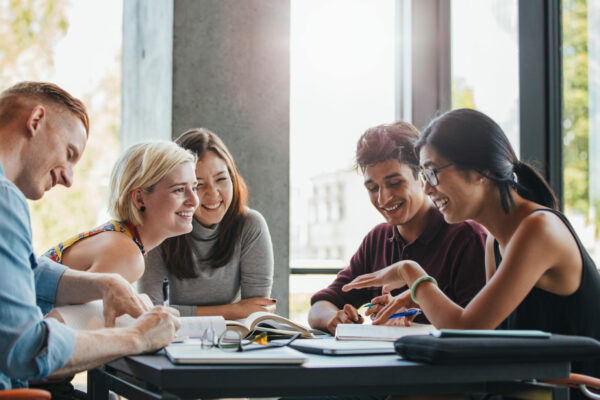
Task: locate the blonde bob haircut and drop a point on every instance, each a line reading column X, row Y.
column 142, row 166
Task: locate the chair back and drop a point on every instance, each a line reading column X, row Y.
column 25, row 394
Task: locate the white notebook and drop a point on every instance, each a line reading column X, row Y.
column 332, row 347
column 181, row 353
column 379, row 332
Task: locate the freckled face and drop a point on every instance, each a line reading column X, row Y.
column 394, row 191
column 215, row 189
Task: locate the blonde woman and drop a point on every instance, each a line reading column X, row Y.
column 152, row 196
column 224, row 266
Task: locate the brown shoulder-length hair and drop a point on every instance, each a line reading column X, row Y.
column 177, row 251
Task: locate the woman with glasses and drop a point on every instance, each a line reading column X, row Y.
column 224, row 266
column 539, row 275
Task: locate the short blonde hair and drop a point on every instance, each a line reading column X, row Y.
column 142, row 166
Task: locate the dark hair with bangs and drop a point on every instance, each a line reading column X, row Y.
column 177, row 250
column 389, row 141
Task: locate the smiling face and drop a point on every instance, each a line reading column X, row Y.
column 57, row 143
column 215, row 189
column 170, row 206
column 458, row 194
column 394, row 191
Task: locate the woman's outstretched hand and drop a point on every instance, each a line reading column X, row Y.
column 389, row 278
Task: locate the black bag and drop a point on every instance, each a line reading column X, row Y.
column 453, row 350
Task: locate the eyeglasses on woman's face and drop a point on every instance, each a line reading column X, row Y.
column 430, row 175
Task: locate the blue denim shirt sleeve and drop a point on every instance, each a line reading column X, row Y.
column 47, row 274
column 30, row 347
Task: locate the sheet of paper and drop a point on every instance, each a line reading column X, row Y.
column 90, row 316
column 194, row 327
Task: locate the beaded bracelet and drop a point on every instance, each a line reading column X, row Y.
column 413, row 288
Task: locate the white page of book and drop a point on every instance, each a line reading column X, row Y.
column 90, row 316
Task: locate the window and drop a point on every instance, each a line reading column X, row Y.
column 581, row 119
column 76, row 45
column 342, row 82
column 485, row 60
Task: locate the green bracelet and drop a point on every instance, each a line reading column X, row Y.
column 413, row 288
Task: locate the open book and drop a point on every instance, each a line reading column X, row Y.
column 89, row 316
column 387, row 333
column 271, row 323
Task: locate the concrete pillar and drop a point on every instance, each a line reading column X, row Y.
column 228, row 71
column 147, row 71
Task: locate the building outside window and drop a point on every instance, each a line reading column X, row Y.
column 342, row 82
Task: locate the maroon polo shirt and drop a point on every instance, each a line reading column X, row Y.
column 451, row 253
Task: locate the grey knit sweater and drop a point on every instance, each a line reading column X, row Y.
column 249, row 273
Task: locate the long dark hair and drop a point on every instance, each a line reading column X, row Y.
column 473, row 141
column 177, row 251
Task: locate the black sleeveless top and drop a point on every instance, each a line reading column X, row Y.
column 577, row 314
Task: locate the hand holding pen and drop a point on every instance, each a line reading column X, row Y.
column 403, row 318
column 377, row 304
column 347, row 315
column 408, row 313
column 394, row 304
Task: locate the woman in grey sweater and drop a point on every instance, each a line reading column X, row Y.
column 225, row 265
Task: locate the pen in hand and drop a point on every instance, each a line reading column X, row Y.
column 165, row 289
column 407, row 313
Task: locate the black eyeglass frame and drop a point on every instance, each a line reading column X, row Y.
column 239, row 346
column 430, row 175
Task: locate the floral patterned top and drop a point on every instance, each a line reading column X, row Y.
column 127, row 228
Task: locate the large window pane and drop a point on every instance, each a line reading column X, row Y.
column 485, row 60
column 342, row 82
column 581, row 118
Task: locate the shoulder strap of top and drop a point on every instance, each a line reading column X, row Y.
column 130, row 230
column 497, row 255
column 586, row 258
column 562, row 218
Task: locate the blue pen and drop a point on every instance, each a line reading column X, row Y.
column 407, row 313
column 368, row 305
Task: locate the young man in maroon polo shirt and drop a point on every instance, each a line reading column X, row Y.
column 414, row 229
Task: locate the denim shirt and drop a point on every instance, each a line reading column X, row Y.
column 30, row 347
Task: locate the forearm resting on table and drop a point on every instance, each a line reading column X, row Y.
column 93, row 348
column 239, row 310
column 228, row 311
column 76, row 287
column 321, row 313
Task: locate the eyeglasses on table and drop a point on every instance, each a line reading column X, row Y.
column 233, row 341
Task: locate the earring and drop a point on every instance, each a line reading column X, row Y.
column 143, row 208
column 482, row 180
